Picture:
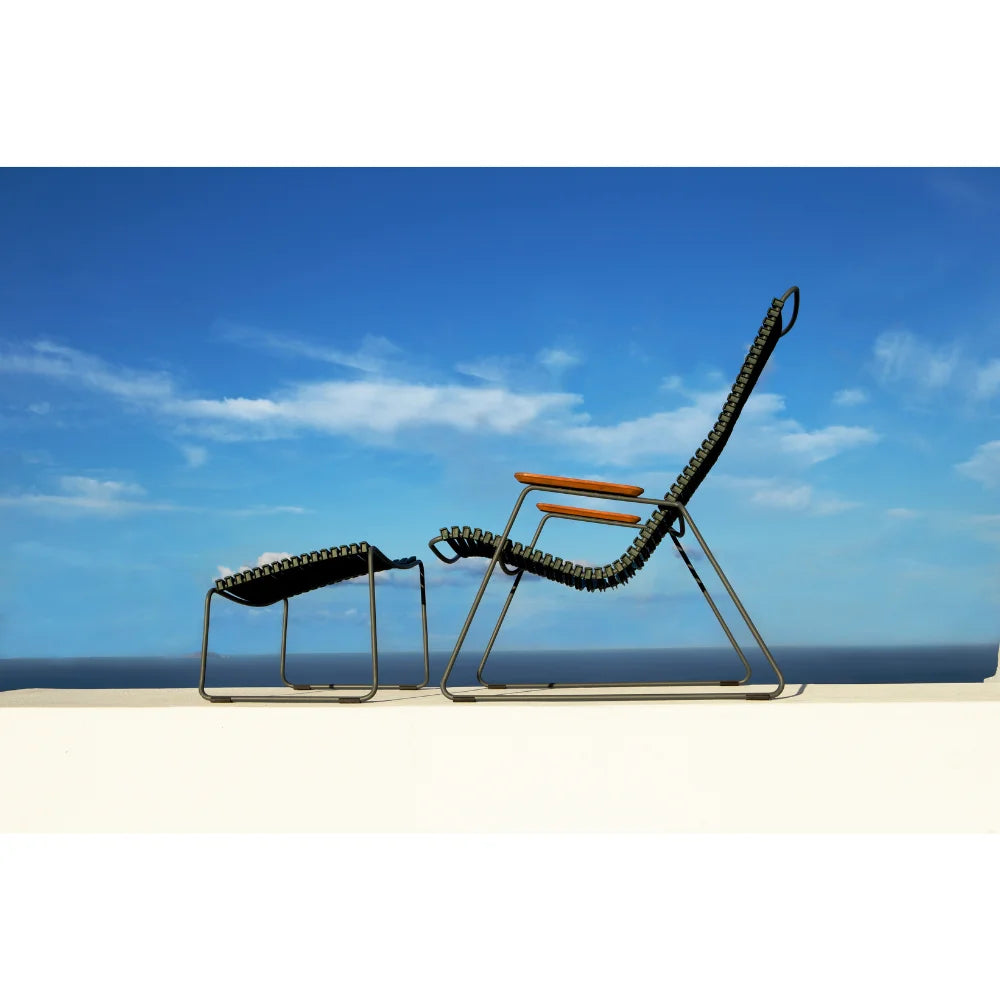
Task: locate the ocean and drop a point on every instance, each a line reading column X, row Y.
column 800, row 664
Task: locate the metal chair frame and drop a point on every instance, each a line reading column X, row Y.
column 369, row 689
column 676, row 534
column 683, row 487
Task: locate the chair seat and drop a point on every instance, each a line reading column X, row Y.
column 465, row 541
column 286, row 578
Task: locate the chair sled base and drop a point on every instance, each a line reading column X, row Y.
column 661, row 692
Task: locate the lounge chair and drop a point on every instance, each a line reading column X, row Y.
column 669, row 517
column 278, row 581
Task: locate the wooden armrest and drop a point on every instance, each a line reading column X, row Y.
column 590, row 515
column 561, row 482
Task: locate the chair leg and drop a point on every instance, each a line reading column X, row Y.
column 465, row 628
column 393, row 687
column 284, row 644
column 496, row 632
column 423, row 627
column 204, row 652
column 628, row 696
column 743, row 614
column 715, row 611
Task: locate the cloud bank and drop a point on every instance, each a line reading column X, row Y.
column 378, row 407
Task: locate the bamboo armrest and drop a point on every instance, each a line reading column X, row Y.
column 561, row 482
column 590, row 515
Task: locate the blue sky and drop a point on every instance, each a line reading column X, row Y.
column 202, row 368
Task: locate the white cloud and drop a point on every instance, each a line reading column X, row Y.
column 759, row 405
column 95, row 489
column 557, row 359
column 850, row 397
column 984, row 465
column 784, row 494
column 262, row 560
column 40, row 408
column 958, row 189
column 817, row 446
column 380, row 407
column 987, row 380
column 69, row 365
column 985, row 526
column 902, row 357
column 373, row 356
column 492, row 369
column 794, row 498
column 334, row 407
column 196, row 455
column 989, row 521
column 83, row 495
column 677, row 433
column 269, row 557
column 833, row 505
column 266, row 509
column 903, row 513
column 504, row 368
column 237, row 409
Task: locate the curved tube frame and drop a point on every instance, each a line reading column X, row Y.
column 794, row 290
column 685, row 519
column 369, row 689
column 675, row 538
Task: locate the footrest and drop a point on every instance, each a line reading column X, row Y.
column 286, row 578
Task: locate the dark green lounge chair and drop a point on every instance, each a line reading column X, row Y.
column 669, row 517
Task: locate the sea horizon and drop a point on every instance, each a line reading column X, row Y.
column 847, row 664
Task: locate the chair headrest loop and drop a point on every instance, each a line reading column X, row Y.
column 794, row 290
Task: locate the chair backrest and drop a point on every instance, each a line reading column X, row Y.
column 770, row 332
column 705, row 457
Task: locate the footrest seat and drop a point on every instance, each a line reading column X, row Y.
column 285, row 578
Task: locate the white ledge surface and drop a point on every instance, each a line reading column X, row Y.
column 826, row 758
